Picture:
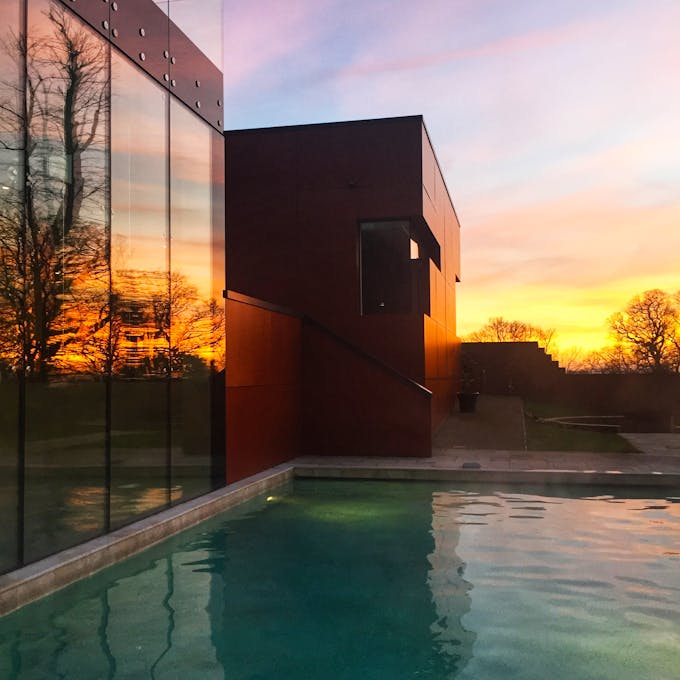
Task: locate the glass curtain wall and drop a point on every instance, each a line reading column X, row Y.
column 67, row 279
column 111, row 318
column 201, row 21
column 139, row 293
column 11, row 273
column 196, row 312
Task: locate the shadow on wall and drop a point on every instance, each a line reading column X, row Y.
column 293, row 387
column 649, row 402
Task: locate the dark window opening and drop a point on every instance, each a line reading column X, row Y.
column 386, row 279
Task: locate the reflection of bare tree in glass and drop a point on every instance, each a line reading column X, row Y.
column 151, row 330
column 11, row 211
column 54, row 278
column 189, row 327
column 195, row 326
column 139, row 339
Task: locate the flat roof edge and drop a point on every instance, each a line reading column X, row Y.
column 337, row 123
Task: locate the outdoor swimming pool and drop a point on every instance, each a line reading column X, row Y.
column 337, row 579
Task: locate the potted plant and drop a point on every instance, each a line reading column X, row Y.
column 469, row 392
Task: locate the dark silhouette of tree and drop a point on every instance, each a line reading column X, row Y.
column 648, row 332
column 194, row 325
column 497, row 329
column 53, row 243
column 609, row 359
column 158, row 323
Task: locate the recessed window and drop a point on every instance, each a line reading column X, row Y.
column 386, row 280
column 415, row 249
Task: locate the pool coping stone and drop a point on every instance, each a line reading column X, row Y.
column 487, row 475
column 35, row 580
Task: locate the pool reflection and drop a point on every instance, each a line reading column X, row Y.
column 384, row 580
column 450, row 591
column 326, row 582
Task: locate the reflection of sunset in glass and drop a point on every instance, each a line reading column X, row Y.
column 191, row 254
column 108, row 357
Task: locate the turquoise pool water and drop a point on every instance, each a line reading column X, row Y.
column 380, row 580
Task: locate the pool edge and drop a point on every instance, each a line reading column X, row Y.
column 38, row 579
column 547, row 477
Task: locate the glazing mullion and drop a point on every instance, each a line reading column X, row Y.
column 109, row 342
column 168, row 460
column 21, row 420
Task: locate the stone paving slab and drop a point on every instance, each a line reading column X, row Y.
column 669, row 481
column 498, row 461
column 655, row 443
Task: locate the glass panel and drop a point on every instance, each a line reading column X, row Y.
column 139, row 273
column 66, row 329
column 219, row 284
column 197, row 317
column 11, row 269
column 386, row 285
column 201, row 22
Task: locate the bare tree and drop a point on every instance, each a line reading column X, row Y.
column 572, row 359
column 52, row 229
column 609, row 359
column 498, row 329
column 195, row 325
column 648, row 331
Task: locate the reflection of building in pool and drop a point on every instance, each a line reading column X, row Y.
column 92, row 638
column 358, row 583
column 232, row 599
column 450, row 590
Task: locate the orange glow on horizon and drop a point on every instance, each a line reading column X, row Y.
column 566, row 262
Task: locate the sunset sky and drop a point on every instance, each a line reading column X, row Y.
column 556, row 125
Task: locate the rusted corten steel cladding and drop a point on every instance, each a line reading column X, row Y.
column 144, row 33
column 296, row 200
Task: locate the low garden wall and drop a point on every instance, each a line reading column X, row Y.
column 647, row 402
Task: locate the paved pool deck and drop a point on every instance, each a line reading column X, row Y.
column 490, row 445
column 582, row 467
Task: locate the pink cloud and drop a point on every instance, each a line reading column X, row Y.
column 530, row 41
column 259, row 33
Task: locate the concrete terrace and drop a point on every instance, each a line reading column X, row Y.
column 491, row 445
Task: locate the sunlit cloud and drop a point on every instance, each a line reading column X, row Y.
column 555, row 124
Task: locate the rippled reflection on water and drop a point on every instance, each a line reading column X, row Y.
column 567, row 587
column 379, row 580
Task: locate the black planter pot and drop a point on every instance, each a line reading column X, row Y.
column 467, row 401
